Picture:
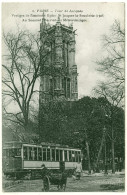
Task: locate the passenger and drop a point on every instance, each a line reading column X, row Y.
column 78, row 170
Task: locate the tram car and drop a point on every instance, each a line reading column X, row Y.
column 21, row 159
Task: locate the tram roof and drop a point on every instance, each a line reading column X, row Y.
column 15, row 144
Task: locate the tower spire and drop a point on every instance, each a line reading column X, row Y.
column 43, row 23
column 43, row 16
column 58, row 20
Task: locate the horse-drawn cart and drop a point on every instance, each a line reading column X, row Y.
column 57, row 179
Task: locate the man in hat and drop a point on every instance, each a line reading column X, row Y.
column 44, row 171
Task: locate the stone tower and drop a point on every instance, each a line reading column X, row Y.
column 58, row 68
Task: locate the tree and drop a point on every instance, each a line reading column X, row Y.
column 112, row 66
column 21, row 68
column 81, row 119
column 110, row 111
column 81, row 125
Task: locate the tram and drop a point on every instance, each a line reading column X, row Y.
column 20, row 159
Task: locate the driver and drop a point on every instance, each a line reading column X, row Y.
column 44, row 171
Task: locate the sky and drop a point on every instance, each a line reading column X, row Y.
column 97, row 20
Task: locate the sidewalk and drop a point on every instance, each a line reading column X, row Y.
column 86, row 174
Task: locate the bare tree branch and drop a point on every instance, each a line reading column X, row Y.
column 22, row 68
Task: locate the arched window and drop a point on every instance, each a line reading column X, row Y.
column 57, row 82
column 66, row 54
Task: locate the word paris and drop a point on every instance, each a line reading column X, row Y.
column 59, row 11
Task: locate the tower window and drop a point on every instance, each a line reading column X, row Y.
column 68, row 88
column 57, row 83
column 50, row 85
column 66, row 54
column 62, row 83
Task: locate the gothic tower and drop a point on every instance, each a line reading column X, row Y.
column 58, row 68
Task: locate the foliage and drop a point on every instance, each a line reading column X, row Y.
column 69, row 123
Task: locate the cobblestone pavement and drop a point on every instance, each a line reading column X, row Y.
column 86, row 184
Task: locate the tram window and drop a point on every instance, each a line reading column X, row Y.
column 79, row 155
column 39, row 154
column 65, row 155
column 76, row 156
column 53, row 154
column 15, row 152
column 7, row 152
column 30, row 153
column 18, row 151
column 48, row 154
column 61, row 155
column 57, row 155
column 73, row 156
column 44, row 154
column 25, row 153
column 11, row 153
column 70, row 156
column 35, row 154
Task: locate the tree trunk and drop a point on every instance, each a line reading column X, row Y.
column 106, row 168
column 100, row 150
column 26, row 123
column 113, row 157
column 88, row 153
column 25, row 112
column 88, row 156
column 113, row 149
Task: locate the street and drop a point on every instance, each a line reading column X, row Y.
column 109, row 183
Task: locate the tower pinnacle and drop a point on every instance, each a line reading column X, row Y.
column 58, row 20
column 43, row 23
column 43, row 16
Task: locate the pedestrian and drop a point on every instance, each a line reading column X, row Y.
column 44, row 175
column 78, row 170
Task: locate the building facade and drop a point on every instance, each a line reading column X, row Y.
column 57, row 62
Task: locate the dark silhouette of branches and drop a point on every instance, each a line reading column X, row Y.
column 112, row 64
column 21, row 68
